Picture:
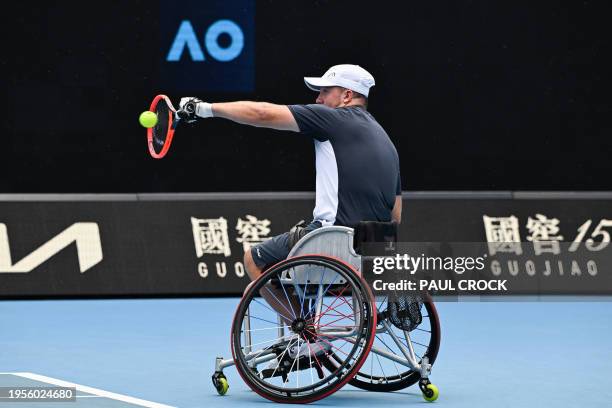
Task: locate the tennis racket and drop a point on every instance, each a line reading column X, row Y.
column 159, row 137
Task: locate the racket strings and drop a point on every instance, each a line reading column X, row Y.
column 160, row 130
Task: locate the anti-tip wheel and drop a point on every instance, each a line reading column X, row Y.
column 431, row 393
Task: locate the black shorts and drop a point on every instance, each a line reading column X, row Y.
column 276, row 248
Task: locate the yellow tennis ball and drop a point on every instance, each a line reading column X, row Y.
column 148, row 119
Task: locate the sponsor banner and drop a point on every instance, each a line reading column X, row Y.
column 169, row 247
column 134, row 248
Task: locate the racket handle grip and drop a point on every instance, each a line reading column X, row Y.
column 182, row 114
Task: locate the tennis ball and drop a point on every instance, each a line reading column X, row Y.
column 148, row 119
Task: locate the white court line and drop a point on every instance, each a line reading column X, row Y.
column 91, row 390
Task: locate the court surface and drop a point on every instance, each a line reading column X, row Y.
column 156, row 353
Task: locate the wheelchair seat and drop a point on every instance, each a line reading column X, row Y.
column 343, row 243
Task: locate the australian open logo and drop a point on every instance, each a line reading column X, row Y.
column 208, row 46
column 186, row 39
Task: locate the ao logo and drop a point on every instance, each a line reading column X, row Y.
column 186, row 37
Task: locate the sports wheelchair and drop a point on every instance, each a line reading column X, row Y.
column 332, row 331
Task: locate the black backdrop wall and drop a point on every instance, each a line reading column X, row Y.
column 475, row 94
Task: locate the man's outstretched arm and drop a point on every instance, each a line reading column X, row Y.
column 260, row 114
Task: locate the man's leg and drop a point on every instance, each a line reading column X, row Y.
column 276, row 297
column 269, row 252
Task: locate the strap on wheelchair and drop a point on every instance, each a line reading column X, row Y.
column 297, row 232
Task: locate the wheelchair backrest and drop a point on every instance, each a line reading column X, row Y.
column 334, row 241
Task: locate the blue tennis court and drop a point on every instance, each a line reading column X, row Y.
column 161, row 352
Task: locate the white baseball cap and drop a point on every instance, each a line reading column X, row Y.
column 348, row 76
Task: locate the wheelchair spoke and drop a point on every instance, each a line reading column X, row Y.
column 337, row 315
column 340, row 313
column 327, row 342
column 314, row 355
column 268, row 341
column 265, row 328
column 423, row 330
column 269, row 308
column 263, row 320
column 334, row 301
column 407, row 339
column 325, row 325
column 288, row 300
column 381, row 367
column 297, row 359
column 414, row 342
column 342, row 326
column 324, row 291
column 310, row 362
column 343, row 299
column 405, row 343
column 392, row 351
column 257, row 355
column 281, row 303
column 280, row 358
column 379, row 307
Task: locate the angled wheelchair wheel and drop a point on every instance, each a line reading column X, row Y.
column 296, row 315
column 382, row 374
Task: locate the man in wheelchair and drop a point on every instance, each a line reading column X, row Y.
column 326, row 327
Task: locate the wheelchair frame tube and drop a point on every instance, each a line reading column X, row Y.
column 409, row 342
column 319, row 306
column 246, row 324
column 268, row 355
column 390, row 356
column 281, row 326
column 409, row 354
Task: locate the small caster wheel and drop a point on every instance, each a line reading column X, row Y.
column 224, row 386
column 431, row 393
column 220, row 383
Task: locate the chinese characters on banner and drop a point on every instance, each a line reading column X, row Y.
column 211, row 236
column 503, row 234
